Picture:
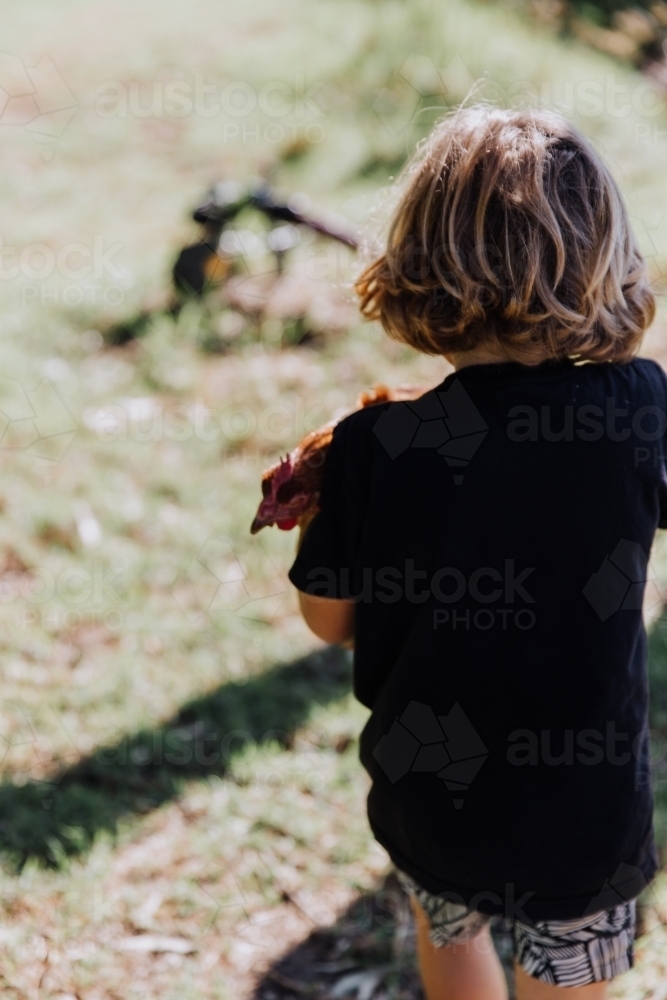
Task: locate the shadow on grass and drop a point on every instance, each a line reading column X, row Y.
column 369, row 951
column 48, row 820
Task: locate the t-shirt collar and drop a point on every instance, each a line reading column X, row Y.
column 501, row 370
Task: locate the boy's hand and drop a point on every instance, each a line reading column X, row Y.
column 330, row 619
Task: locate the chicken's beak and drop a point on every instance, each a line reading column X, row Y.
column 262, row 520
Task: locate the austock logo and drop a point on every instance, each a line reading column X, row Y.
column 619, row 583
column 420, row 741
column 447, row 421
column 417, row 86
column 36, row 422
column 222, row 580
column 37, row 98
column 623, row 887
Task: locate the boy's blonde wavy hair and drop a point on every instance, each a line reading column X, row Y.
column 511, row 234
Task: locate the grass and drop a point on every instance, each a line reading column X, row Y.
column 142, row 627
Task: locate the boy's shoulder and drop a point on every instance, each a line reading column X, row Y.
column 388, row 423
column 641, row 379
column 644, row 378
column 644, row 367
column 649, row 370
column 354, row 435
column 389, row 426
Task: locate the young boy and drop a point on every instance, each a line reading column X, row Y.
column 486, row 548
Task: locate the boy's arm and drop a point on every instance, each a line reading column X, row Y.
column 330, row 619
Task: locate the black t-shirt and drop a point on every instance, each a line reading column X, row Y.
column 495, row 535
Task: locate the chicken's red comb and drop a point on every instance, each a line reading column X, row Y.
column 284, row 470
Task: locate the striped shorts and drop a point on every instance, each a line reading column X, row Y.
column 579, row 952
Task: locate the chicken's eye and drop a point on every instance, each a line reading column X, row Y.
column 286, row 491
column 266, row 487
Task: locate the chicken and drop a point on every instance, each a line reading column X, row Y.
column 291, row 487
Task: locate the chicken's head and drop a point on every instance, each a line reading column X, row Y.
column 284, row 499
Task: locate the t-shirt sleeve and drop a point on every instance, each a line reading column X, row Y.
column 325, row 563
column 662, row 491
column 661, row 413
